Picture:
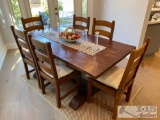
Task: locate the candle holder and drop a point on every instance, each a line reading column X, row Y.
column 58, row 25
column 85, row 30
column 85, row 37
column 97, row 35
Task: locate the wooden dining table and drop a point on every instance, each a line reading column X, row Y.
column 94, row 66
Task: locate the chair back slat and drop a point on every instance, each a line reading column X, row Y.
column 79, row 27
column 42, row 57
column 133, row 65
column 81, row 20
column 140, row 51
column 42, row 53
column 130, row 76
column 103, row 33
column 103, row 23
column 22, row 44
column 27, row 54
column 107, row 25
column 28, row 23
column 32, row 19
column 36, row 27
column 19, row 34
column 136, row 62
column 38, row 44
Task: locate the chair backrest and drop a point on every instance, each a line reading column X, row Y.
column 44, row 58
column 133, row 65
column 107, row 25
column 22, row 43
column 33, row 23
column 81, row 21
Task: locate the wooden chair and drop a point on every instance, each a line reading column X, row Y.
column 56, row 74
column 23, row 46
column 33, row 23
column 81, row 20
column 118, row 81
column 102, row 32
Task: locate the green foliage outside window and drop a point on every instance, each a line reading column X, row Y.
column 60, row 5
column 16, row 11
column 84, row 8
column 45, row 5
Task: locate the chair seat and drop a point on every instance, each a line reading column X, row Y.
column 112, row 77
column 62, row 69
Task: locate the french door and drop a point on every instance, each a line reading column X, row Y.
column 54, row 10
column 40, row 7
column 64, row 11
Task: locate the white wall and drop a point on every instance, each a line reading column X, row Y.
column 5, row 21
column 6, row 38
column 3, row 51
column 129, row 16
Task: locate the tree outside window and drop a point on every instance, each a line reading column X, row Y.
column 16, row 11
column 84, row 8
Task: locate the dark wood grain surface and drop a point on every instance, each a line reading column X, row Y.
column 95, row 65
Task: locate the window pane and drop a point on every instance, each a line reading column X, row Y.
column 40, row 7
column 17, row 13
column 66, row 10
column 84, row 8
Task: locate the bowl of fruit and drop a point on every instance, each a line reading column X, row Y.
column 69, row 36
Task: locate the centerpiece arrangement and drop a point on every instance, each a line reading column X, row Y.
column 71, row 36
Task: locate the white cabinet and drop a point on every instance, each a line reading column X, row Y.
column 153, row 31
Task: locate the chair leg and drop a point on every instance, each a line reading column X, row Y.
column 39, row 81
column 115, row 107
column 27, row 71
column 42, row 85
column 89, row 90
column 58, row 96
column 128, row 95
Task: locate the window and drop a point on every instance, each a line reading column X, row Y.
column 84, row 8
column 40, row 7
column 66, row 10
column 17, row 13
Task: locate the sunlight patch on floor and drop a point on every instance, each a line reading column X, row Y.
column 16, row 63
column 17, row 51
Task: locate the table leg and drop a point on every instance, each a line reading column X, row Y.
column 78, row 100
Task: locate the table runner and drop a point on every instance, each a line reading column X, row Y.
column 81, row 45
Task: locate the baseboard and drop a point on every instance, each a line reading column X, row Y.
column 11, row 46
column 2, row 55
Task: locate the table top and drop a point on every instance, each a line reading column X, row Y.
column 95, row 65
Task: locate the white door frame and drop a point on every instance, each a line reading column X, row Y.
column 90, row 13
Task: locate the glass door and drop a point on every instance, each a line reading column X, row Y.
column 66, row 11
column 84, row 8
column 40, row 7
